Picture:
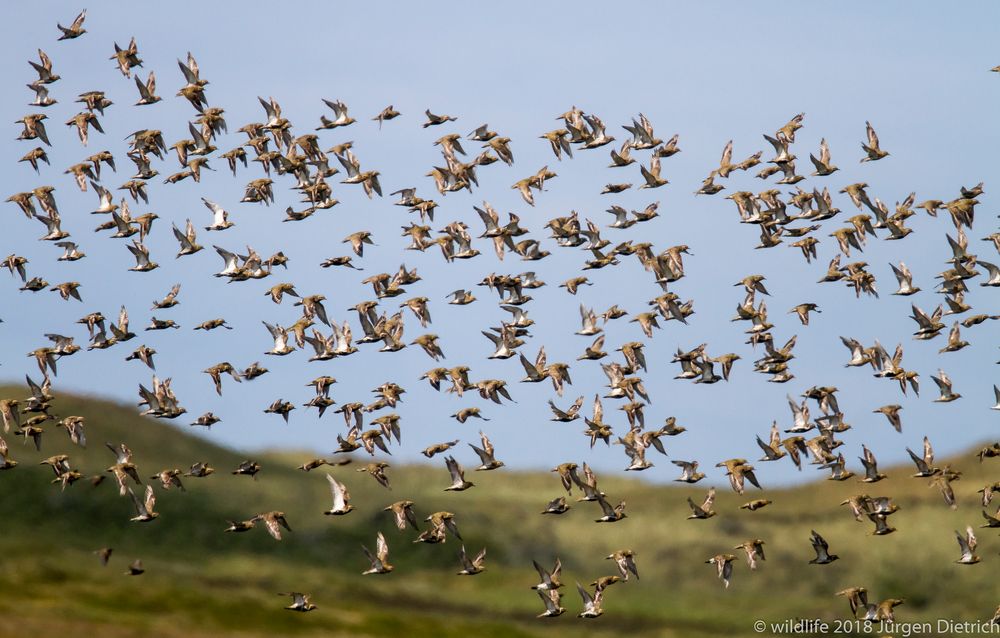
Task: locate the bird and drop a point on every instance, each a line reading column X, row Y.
column 144, row 508
column 45, row 75
column 207, row 420
column 872, row 150
column 551, row 599
column 68, row 289
column 273, row 522
column 652, row 175
column 33, row 157
column 127, row 58
column 142, row 261
column 220, row 217
column 557, row 505
column 75, row 29
column 591, row 603
column 388, row 113
column 548, row 580
column 280, row 336
column 170, row 479
column 104, row 554
column 341, row 498
column 341, row 118
column 872, row 475
column 625, row 561
column 756, row 504
column 436, row 120
column 280, row 407
column 458, row 482
column 955, row 341
column 925, row 462
column 704, row 510
column 379, row 560
column 357, row 241
column 611, row 514
column 724, row 566
column 473, row 566
column 200, row 470
column 820, row 546
column 803, row 310
column 943, row 382
column 689, row 473
column 967, row 545
column 486, row 454
column 772, row 450
column 570, row 414
column 738, row 470
column 248, row 468
column 905, row 279
column 377, row 471
column 403, row 514
column 623, row 157
column 300, row 602
column 754, row 550
column 147, row 90
column 822, row 164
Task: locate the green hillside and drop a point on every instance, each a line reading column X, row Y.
column 200, row 581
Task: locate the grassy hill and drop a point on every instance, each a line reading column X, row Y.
column 200, row 581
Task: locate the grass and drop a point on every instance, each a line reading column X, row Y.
column 200, row 581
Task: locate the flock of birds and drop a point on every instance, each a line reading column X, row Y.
column 271, row 151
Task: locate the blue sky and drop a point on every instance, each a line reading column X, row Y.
column 710, row 72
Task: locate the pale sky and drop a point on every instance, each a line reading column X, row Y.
column 712, row 73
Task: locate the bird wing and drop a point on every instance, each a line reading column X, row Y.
column 382, row 548
column 872, row 137
column 454, row 469
column 598, row 410
column 273, row 527
column 140, row 507
column 550, row 598
column 709, row 500
column 339, row 493
column 150, row 499
column 963, row 545
column 605, row 506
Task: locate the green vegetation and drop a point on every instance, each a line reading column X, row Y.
column 200, row 581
